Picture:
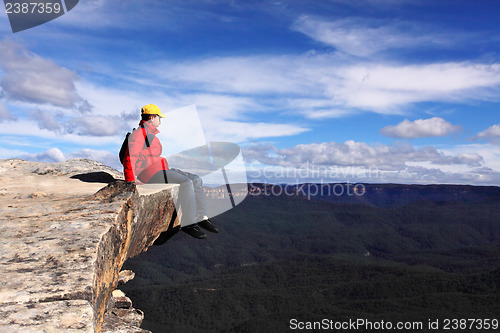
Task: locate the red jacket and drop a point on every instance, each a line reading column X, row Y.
column 143, row 162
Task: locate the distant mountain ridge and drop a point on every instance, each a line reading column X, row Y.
column 380, row 195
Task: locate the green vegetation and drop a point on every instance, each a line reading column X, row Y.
column 424, row 256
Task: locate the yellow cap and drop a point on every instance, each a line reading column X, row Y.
column 152, row 109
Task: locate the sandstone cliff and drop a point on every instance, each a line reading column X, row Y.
column 65, row 235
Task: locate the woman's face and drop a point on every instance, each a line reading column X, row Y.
column 156, row 121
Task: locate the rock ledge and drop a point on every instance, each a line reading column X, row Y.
column 65, row 235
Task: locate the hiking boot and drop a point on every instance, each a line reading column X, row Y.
column 194, row 230
column 207, row 225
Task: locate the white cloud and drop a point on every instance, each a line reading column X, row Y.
column 49, row 156
column 92, row 125
column 364, row 37
column 86, row 125
column 328, row 113
column 31, row 78
column 492, row 133
column 386, row 88
column 56, row 155
column 46, row 120
column 234, row 131
column 31, row 130
column 224, row 117
column 360, row 162
column 420, row 128
column 247, row 75
column 488, row 151
column 426, row 175
column 102, row 14
column 115, row 101
column 321, row 84
column 351, row 153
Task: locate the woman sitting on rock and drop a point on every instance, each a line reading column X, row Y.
column 144, row 160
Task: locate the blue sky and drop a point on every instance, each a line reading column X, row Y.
column 410, row 89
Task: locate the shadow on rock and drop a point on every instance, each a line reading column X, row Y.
column 95, row 177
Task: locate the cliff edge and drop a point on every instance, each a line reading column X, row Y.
column 65, row 231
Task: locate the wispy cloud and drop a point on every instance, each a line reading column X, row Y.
column 244, row 131
column 383, row 87
column 102, row 14
column 420, row 128
column 323, row 84
column 150, row 15
column 363, row 37
column 242, row 75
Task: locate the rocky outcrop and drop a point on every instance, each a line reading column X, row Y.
column 120, row 316
column 64, row 237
